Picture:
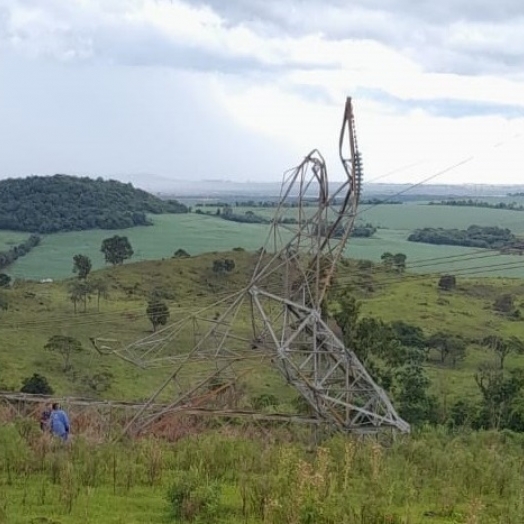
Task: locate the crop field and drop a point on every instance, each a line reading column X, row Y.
column 8, row 239
column 199, row 234
column 409, row 216
column 195, row 233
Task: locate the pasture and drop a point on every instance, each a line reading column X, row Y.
column 201, row 233
column 38, row 311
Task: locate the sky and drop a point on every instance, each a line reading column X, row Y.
column 243, row 89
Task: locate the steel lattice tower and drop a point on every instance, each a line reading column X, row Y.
column 283, row 304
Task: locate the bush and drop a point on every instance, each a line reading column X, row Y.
column 447, row 282
column 36, row 385
column 191, row 498
column 504, row 303
column 181, row 253
column 266, row 400
column 5, row 280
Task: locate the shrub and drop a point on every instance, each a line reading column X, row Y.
column 181, row 253
column 447, row 282
column 266, row 400
column 36, row 385
column 191, row 498
column 504, row 303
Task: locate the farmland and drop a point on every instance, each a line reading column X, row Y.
column 200, row 233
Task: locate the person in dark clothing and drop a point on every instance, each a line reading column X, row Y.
column 59, row 422
column 44, row 419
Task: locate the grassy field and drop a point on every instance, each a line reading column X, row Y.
column 38, row 311
column 195, row 233
column 200, row 234
column 238, row 477
column 243, row 474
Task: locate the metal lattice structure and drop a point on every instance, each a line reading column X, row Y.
column 277, row 318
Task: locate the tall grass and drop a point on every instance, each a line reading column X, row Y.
column 432, row 476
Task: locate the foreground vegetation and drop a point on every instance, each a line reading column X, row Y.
column 239, row 475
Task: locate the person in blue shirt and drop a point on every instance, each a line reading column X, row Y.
column 59, row 422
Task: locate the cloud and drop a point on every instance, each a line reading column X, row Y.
column 455, row 108
column 446, row 36
column 105, row 120
column 134, row 32
column 136, row 85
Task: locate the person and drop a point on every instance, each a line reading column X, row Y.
column 44, row 419
column 59, row 422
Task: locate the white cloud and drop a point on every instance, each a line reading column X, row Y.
column 272, row 76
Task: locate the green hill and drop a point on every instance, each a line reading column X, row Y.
column 38, row 311
column 65, row 203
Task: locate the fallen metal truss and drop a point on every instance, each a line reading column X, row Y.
column 278, row 319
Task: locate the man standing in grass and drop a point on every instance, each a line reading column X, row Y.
column 59, row 422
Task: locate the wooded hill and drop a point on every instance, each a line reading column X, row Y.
column 65, row 203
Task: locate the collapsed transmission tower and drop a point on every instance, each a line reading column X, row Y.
column 277, row 319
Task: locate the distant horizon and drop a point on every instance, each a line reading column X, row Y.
column 128, row 178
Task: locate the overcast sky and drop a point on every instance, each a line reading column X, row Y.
column 243, row 89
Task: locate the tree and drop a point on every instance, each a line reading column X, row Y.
column 82, row 266
column 4, row 304
column 181, row 253
column 229, row 265
column 223, row 266
column 449, row 347
column 502, row 347
column 80, row 291
column 65, row 346
column 157, row 312
column 5, row 280
column 504, row 303
column 101, row 289
column 447, row 282
column 415, row 404
column 399, row 262
column 36, row 385
column 347, row 319
column 408, row 334
column 116, row 249
column 500, row 394
column 396, row 367
column 387, row 259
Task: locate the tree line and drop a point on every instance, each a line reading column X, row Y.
column 511, row 206
column 396, row 353
column 491, row 237
column 250, row 217
column 10, row 256
column 65, row 203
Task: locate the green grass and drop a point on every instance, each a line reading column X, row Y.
column 237, row 477
column 200, row 234
column 38, row 311
column 410, row 216
column 195, row 233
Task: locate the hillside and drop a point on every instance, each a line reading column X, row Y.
column 36, row 312
column 66, row 203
